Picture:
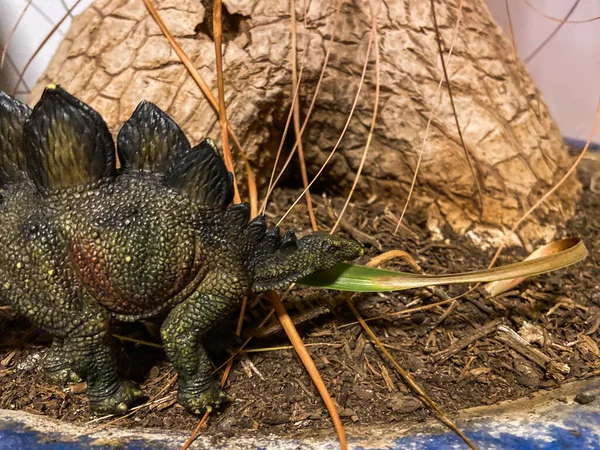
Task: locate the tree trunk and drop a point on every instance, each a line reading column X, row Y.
column 114, row 56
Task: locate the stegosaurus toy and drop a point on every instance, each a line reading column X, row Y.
column 85, row 244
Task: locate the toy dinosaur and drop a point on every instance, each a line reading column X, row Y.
column 85, row 244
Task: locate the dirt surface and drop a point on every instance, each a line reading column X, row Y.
column 269, row 391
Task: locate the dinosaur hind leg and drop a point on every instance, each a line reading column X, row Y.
column 83, row 348
column 57, row 365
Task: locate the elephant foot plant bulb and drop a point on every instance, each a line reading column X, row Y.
column 86, row 244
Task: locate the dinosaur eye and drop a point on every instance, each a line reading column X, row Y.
column 330, row 245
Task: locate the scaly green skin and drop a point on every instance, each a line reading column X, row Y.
column 126, row 247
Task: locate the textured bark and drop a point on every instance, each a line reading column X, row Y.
column 114, row 56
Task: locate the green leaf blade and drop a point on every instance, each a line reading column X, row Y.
column 355, row 278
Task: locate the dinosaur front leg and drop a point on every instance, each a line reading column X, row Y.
column 182, row 333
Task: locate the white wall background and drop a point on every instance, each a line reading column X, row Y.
column 567, row 70
column 37, row 22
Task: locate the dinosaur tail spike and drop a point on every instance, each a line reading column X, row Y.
column 255, row 231
column 150, row 139
column 66, row 142
column 201, row 175
column 238, row 216
column 289, row 242
column 272, row 240
column 13, row 164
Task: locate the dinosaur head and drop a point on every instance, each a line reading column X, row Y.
column 323, row 250
column 295, row 259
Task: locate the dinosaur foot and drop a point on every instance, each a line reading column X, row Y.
column 197, row 400
column 57, row 370
column 117, row 402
